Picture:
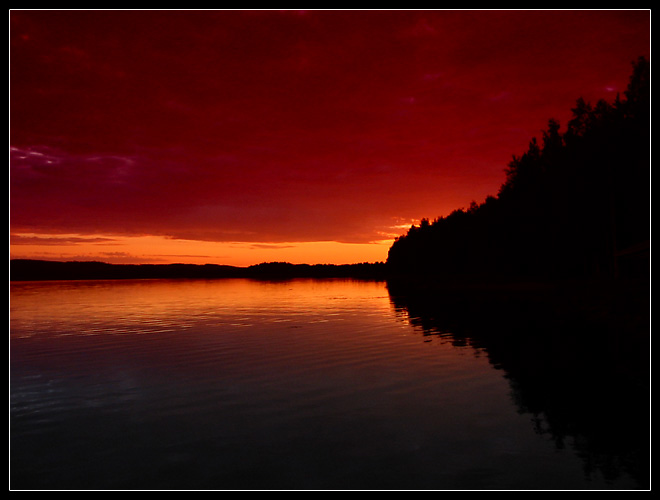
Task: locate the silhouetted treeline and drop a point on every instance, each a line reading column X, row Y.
column 365, row 270
column 33, row 270
column 575, row 204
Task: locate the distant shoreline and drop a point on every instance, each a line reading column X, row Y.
column 625, row 297
column 44, row 270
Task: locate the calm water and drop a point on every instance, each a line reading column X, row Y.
column 303, row 384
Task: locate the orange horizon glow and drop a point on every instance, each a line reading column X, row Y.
column 163, row 250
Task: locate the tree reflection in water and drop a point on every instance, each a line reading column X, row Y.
column 577, row 359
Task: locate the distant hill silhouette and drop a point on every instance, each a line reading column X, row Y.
column 31, row 270
column 36, row 270
column 574, row 205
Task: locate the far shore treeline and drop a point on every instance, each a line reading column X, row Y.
column 576, row 205
column 34, row 270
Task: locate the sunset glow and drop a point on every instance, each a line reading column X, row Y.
column 162, row 250
column 238, row 137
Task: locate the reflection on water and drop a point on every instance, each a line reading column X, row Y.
column 310, row 384
column 578, row 364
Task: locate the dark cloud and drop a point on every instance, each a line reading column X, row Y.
column 17, row 239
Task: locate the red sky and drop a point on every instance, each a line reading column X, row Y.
column 236, row 137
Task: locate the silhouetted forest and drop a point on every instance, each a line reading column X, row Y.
column 286, row 270
column 36, row 270
column 575, row 204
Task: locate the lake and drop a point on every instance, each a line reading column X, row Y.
column 314, row 384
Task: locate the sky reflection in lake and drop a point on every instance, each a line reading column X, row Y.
column 303, row 384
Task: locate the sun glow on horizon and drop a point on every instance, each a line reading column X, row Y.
column 150, row 249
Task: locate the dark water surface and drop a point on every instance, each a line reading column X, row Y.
column 310, row 384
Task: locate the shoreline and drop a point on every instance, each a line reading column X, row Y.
column 43, row 270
